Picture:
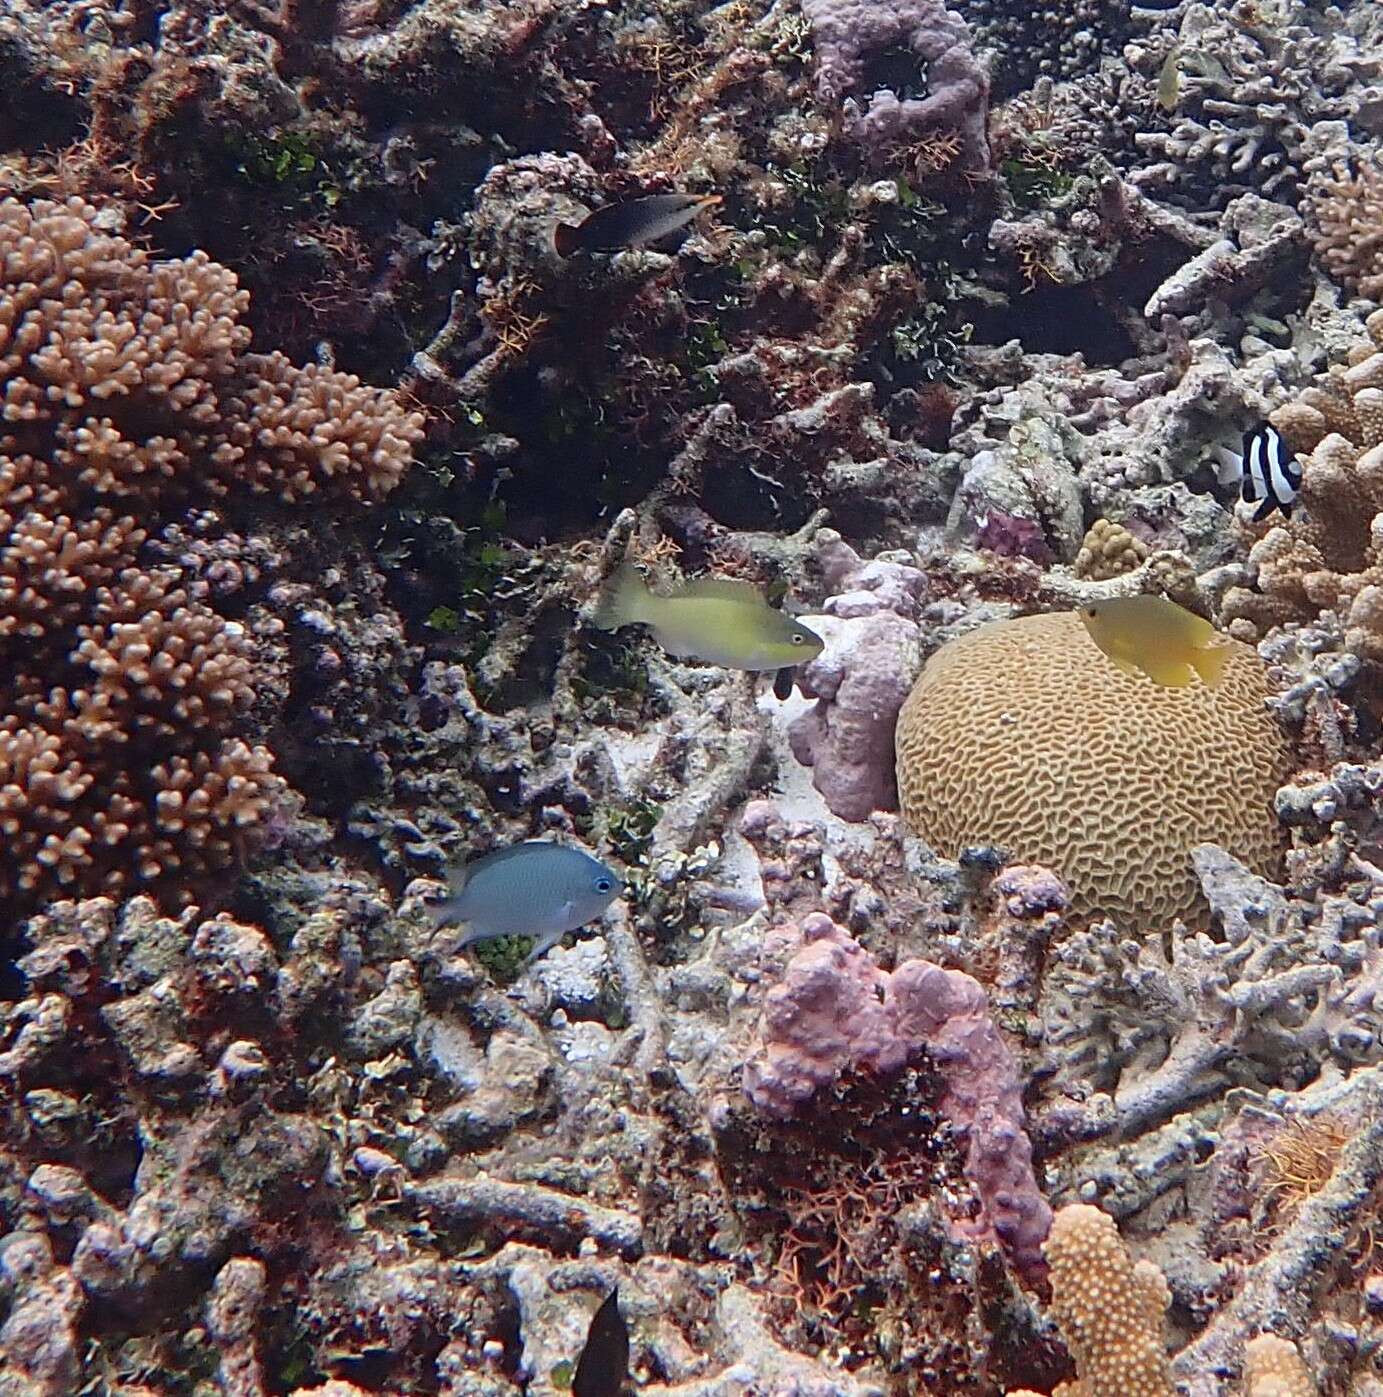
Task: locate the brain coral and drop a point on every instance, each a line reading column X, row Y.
column 1022, row 734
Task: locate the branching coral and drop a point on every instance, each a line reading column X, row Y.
column 1271, row 1002
column 1109, row 1308
column 1348, row 213
column 1259, row 101
column 129, row 390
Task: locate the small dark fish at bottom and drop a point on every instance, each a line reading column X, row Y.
column 783, row 682
column 630, row 222
column 604, row 1363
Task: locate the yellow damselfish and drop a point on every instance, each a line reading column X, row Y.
column 719, row 619
column 1156, row 637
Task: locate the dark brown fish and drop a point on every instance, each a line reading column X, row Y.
column 782, row 683
column 604, row 1363
column 630, row 223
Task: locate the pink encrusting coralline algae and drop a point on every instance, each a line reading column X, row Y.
column 835, row 1010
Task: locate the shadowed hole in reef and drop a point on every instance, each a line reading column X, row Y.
column 529, row 682
column 898, row 69
column 744, row 495
column 1054, row 319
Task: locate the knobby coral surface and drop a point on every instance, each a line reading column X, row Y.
column 836, row 1010
column 130, row 394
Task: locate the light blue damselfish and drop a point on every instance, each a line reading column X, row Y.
column 539, row 889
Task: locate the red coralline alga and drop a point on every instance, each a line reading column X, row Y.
column 836, row 1010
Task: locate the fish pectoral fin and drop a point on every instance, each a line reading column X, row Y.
column 1171, row 674
column 1210, row 664
column 1229, row 465
column 542, row 945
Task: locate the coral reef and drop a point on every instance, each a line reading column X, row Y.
column 930, row 374
column 1324, row 561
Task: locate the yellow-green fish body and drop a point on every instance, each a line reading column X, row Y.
column 719, row 619
column 1156, row 637
column 1169, row 82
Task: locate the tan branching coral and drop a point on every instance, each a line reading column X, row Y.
column 1111, row 1310
column 127, row 388
column 1348, row 217
column 1329, row 555
column 1109, row 550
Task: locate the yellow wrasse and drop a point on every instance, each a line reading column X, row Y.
column 718, row 619
column 1156, row 637
column 1169, row 82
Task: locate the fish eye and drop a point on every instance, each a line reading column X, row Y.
column 799, row 640
column 603, row 885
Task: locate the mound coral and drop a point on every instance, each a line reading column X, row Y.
column 1109, row 550
column 835, row 1009
column 851, row 36
column 129, row 394
column 1022, row 734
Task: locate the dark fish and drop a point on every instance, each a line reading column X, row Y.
column 630, row 223
column 1267, row 472
column 782, row 683
column 604, row 1362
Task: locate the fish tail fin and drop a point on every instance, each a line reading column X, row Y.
column 621, row 600
column 1229, row 465
column 564, row 238
column 1210, row 664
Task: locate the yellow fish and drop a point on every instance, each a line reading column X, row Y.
column 718, row 619
column 1156, row 637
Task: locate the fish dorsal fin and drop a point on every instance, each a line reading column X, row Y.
column 463, row 873
column 721, row 588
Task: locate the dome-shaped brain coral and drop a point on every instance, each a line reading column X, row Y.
column 1022, row 734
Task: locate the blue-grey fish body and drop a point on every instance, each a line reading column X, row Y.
column 538, row 889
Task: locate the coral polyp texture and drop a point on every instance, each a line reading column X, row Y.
column 1347, row 207
column 1115, row 779
column 129, row 394
column 1110, row 1309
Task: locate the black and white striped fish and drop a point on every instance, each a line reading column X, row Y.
column 1267, row 473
